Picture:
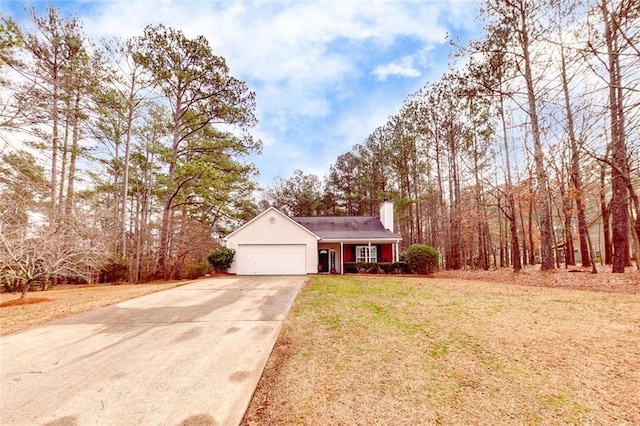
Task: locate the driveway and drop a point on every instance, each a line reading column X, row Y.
column 191, row 355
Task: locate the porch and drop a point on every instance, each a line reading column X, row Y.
column 332, row 255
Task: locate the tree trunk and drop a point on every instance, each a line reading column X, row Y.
column 454, row 199
column 500, row 234
column 568, row 238
column 620, row 195
column 125, row 178
column 69, row 202
column 606, row 216
column 525, row 258
column 636, row 226
column 544, row 213
column 442, row 230
column 532, row 250
column 594, row 270
column 25, row 288
column 511, row 205
column 63, row 161
column 167, row 210
column 55, row 136
column 576, row 175
column 636, row 240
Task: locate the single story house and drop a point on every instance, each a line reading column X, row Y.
column 274, row 244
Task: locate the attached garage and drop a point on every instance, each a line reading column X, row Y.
column 273, row 244
column 271, row 259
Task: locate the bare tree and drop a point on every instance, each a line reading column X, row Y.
column 51, row 252
column 520, row 19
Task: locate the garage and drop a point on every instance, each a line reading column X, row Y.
column 271, row 259
column 273, row 244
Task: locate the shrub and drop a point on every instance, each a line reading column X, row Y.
column 193, row 270
column 221, row 258
column 376, row 267
column 371, row 268
column 422, row 259
column 350, row 268
column 10, row 283
column 115, row 271
column 394, row 268
column 362, row 267
column 386, row 267
column 401, row 267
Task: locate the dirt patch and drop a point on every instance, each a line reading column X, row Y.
column 26, row 301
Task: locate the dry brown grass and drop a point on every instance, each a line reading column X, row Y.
column 382, row 350
column 66, row 301
column 573, row 277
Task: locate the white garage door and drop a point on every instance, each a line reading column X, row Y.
column 271, row 259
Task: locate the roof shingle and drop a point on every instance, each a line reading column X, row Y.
column 346, row 227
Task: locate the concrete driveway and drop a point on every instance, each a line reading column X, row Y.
column 191, row 355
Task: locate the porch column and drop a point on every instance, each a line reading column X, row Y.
column 369, row 257
column 341, row 258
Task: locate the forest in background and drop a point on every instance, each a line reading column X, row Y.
column 135, row 164
column 507, row 160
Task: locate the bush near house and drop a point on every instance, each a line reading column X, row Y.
column 193, row 270
column 376, row 267
column 422, row 259
column 221, row 258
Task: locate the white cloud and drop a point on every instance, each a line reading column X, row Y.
column 403, row 68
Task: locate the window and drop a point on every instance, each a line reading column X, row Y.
column 364, row 255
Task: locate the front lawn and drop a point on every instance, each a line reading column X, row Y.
column 390, row 350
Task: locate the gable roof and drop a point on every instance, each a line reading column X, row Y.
column 346, row 227
column 272, row 210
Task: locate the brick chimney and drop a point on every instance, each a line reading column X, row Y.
column 386, row 214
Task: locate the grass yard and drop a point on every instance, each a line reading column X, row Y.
column 362, row 350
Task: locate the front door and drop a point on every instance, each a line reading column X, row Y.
column 323, row 260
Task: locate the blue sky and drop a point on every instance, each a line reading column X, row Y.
column 325, row 73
